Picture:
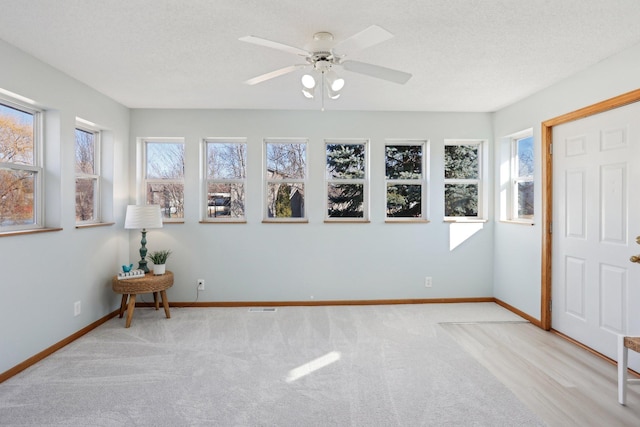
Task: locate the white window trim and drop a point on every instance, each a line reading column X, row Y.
column 481, row 181
column 37, row 167
column 423, row 181
column 206, row 181
column 142, row 196
column 514, row 179
column 81, row 124
column 266, row 181
column 364, row 181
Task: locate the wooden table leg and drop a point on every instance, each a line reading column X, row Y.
column 130, row 308
column 155, row 300
column 165, row 304
column 123, row 304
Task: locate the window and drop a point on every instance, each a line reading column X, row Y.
column 164, row 176
column 20, row 167
column 87, row 176
column 226, row 162
column 347, row 183
column 463, row 176
column 405, row 180
column 521, row 194
column 285, row 177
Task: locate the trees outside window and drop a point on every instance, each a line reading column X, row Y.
column 87, row 176
column 226, row 163
column 285, row 178
column 347, row 184
column 20, row 167
column 405, row 180
column 463, row 180
column 522, row 191
column 164, row 177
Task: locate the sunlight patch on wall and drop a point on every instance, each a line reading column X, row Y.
column 459, row 232
column 314, row 365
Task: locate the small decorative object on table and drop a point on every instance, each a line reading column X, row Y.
column 131, row 274
column 127, row 268
column 159, row 259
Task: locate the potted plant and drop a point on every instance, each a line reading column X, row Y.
column 159, row 259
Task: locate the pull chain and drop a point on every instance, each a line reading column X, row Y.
column 322, row 90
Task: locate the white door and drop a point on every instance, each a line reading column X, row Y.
column 596, row 218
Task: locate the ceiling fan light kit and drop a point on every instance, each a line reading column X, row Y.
column 308, row 81
column 322, row 55
column 335, row 83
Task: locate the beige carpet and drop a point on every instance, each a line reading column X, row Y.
column 298, row 366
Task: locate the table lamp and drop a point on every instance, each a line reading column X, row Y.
column 143, row 216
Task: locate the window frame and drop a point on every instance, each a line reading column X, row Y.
column 145, row 181
column 206, row 181
column 267, row 181
column 37, row 168
column 423, row 181
column 515, row 178
column 97, row 172
column 481, row 181
column 364, row 181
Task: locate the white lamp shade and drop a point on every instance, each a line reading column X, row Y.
column 143, row 216
column 308, row 93
column 335, row 83
column 308, row 81
column 332, row 93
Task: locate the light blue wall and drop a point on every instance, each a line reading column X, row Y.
column 43, row 274
column 319, row 261
column 517, row 260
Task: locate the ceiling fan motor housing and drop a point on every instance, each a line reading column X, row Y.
column 322, row 61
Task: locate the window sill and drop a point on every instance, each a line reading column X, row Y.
column 346, row 221
column 223, row 221
column 465, row 221
column 94, row 224
column 285, row 221
column 32, row 231
column 506, row 221
column 406, row 221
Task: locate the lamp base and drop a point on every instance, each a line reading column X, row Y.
column 142, row 264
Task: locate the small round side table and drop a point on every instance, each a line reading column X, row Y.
column 129, row 288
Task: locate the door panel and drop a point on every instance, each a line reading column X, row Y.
column 596, row 169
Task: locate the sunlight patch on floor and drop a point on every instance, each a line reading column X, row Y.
column 314, row 365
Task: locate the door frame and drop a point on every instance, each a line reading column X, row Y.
column 547, row 186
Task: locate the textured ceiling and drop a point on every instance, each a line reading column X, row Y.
column 465, row 55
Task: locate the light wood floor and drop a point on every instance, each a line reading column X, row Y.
column 561, row 382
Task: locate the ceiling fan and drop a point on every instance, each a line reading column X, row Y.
column 323, row 55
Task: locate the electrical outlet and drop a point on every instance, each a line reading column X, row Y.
column 427, row 282
column 201, row 284
column 77, row 308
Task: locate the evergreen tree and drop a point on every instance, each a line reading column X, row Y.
column 404, row 162
column 283, row 202
column 461, row 162
column 346, row 161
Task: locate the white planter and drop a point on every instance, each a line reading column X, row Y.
column 159, row 269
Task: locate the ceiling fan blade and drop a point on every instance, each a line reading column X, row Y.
column 364, row 39
column 273, row 74
column 377, row 71
column 275, row 45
